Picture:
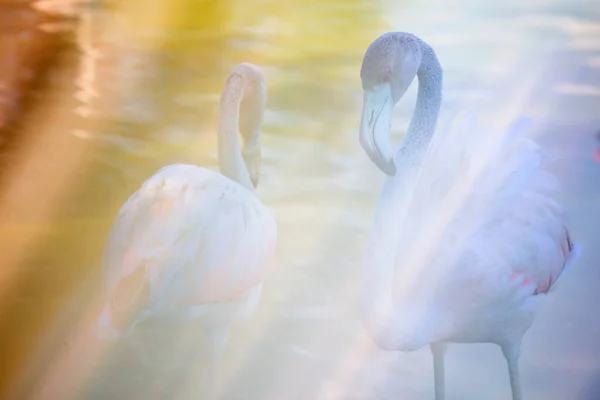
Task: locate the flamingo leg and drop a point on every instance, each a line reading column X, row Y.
column 512, row 353
column 212, row 379
column 201, row 380
column 439, row 351
column 216, row 340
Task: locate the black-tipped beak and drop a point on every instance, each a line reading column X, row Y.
column 375, row 126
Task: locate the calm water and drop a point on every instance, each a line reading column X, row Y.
column 165, row 74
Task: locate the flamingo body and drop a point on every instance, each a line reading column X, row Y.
column 196, row 238
column 192, row 243
column 468, row 235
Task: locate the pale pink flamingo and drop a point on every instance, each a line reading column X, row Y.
column 192, row 242
column 467, row 238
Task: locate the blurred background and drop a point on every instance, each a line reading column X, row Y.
column 96, row 96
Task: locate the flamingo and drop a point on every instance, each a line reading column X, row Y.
column 192, row 242
column 467, row 236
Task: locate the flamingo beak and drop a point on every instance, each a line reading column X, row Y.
column 375, row 126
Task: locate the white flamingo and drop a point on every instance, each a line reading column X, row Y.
column 466, row 237
column 193, row 242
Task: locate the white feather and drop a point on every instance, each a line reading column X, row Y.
column 213, row 229
column 467, row 235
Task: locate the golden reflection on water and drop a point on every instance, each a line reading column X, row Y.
column 147, row 82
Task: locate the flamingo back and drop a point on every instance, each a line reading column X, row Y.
column 192, row 236
column 482, row 225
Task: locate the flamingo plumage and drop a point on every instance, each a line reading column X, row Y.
column 192, row 242
column 468, row 236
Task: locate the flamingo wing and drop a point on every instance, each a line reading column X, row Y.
column 545, row 281
column 483, row 209
column 194, row 236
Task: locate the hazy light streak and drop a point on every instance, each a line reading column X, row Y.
column 73, row 366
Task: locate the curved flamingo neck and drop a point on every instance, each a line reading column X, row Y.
column 231, row 161
column 423, row 123
column 382, row 320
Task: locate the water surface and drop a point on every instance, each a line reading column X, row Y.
column 540, row 58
